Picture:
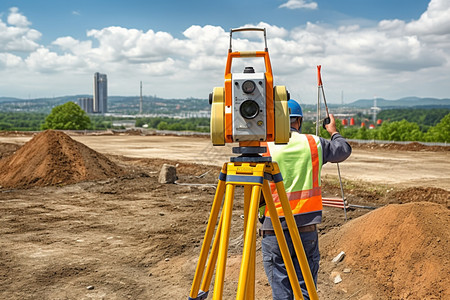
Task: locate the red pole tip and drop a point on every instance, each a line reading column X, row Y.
column 319, row 77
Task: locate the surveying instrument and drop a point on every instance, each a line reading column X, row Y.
column 249, row 110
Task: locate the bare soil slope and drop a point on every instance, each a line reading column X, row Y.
column 7, row 149
column 52, row 157
column 119, row 234
column 385, row 164
column 400, row 249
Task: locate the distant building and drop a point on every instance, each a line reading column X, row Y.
column 100, row 93
column 124, row 123
column 86, row 104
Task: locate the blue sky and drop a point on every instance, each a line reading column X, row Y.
column 389, row 49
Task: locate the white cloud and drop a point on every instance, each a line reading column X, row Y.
column 298, row 4
column 45, row 61
column 272, row 31
column 132, row 45
column 16, row 35
column 393, row 26
column 393, row 58
column 8, row 60
column 434, row 21
column 168, row 67
column 15, row 18
column 206, row 63
column 73, row 45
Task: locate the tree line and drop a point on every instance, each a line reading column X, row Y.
column 429, row 125
column 70, row 116
column 425, row 118
column 21, row 121
column 166, row 123
column 391, row 131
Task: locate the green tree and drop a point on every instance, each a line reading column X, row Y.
column 440, row 132
column 400, row 131
column 5, row 126
column 362, row 134
column 163, row 126
column 68, row 116
column 308, row 127
column 176, row 127
column 349, row 132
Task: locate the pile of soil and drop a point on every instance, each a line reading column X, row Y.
column 16, row 133
column 52, row 157
column 402, row 249
column 418, row 194
column 7, row 149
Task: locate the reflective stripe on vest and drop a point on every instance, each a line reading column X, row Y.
column 302, row 186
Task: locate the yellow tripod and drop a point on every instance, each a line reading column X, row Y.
column 254, row 173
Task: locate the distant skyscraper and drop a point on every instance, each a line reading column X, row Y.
column 86, row 104
column 100, row 93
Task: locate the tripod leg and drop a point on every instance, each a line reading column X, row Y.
column 224, row 237
column 212, row 258
column 299, row 251
column 208, row 237
column 282, row 241
column 246, row 286
column 250, row 289
column 247, row 197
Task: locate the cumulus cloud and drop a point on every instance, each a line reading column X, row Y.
column 360, row 59
column 134, row 46
column 15, row 18
column 272, row 31
column 15, row 35
column 434, row 21
column 73, row 45
column 8, row 60
column 206, row 63
column 298, row 4
column 45, row 61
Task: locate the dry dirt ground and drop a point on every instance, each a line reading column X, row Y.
column 129, row 237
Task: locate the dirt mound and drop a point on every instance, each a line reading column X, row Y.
column 413, row 146
column 16, row 133
column 400, row 248
column 52, row 157
column 7, row 149
column 418, row 194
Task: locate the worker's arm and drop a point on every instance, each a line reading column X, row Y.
column 337, row 149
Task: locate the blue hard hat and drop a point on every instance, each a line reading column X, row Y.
column 296, row 110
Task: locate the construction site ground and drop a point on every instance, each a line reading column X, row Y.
column 127, row 236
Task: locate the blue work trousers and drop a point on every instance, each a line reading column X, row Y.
column 276, row 270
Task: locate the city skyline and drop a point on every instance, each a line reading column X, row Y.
column 386, row 49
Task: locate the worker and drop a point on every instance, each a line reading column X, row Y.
column 300, row 162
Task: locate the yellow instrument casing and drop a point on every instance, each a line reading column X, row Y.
column 217, row 125
column 282, row 126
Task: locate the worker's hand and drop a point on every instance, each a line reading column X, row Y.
column 331, row 127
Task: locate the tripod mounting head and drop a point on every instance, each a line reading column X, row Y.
column 250, row 154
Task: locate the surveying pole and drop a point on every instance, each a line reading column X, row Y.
column 326, row 121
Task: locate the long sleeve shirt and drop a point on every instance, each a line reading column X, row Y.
column 334, row 150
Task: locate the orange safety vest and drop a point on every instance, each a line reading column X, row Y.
column 301, row 173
